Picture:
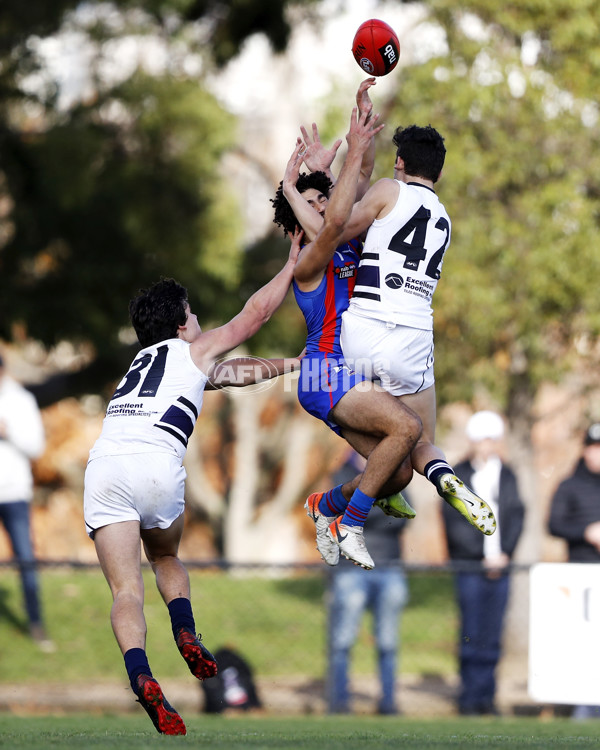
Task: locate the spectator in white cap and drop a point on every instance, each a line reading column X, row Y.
column 575, row 517
column 482, row 563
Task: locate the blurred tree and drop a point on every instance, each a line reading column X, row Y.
column 107, row 191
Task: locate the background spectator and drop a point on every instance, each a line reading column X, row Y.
column 21, row 440
column 575, row 517
column 482, row 577
column 353, row 590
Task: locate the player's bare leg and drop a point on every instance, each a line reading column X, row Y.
column 369, row 409
column 118, row 549
column 426, row 455
column 161, row 547
column 173, row 582
column 390, row 500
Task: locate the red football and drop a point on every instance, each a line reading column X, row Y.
column 376, row 47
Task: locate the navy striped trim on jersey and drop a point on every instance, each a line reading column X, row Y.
column 367, row 295
column 189, row 405
column 367, row 278
column 178, row 422
column 173, row 432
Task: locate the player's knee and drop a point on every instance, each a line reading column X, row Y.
column 412, row 427
column 158, row 558
column 128, row 594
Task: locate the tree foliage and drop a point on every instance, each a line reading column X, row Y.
column 102, row 196
column 521, row 183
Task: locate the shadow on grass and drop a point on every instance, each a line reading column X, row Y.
column 8, row 615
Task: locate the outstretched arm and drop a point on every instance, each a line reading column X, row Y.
column 317, row 254
column 317, row 158
column 256, row 312
column 309, row 219
column 365, row 105
column 240, row 371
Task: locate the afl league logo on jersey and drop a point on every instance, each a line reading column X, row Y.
column 394, row 281
column 346, row 271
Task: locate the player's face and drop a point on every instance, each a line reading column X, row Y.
column 191, row 330
column 316, row 199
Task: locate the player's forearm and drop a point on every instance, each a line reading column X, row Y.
column 342, row 199
column 366, row 170
column 240, row 371
column 309, row 218
column 268, row 298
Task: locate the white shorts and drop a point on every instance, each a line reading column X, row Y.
column 144, row 487
column 399, row 356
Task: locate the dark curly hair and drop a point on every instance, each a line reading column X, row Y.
column 157, row 312
column 422, row 150
column 284, row 216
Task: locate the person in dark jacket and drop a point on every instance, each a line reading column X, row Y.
column 575, row 509
column 482, row 563
column 575, row 517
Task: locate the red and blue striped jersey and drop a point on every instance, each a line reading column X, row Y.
column 323, row 307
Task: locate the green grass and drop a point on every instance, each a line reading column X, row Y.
column 275, row 622
column 307, row 733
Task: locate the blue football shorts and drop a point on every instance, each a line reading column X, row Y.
column 324, row 379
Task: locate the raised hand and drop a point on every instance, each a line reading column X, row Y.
column 316, row 157
column 363, row 127
column 296, row 244
column 292, row 169
column 363, row 100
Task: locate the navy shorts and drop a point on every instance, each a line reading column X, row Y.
column 324, row 379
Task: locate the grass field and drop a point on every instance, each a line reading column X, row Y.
column 259, row 615
column 274, row 621
column 307, row 733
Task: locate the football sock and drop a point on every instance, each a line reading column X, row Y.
column 358, row 509
column 181, row 615
column 436, row 469
column 136, row 663
column 333, row 502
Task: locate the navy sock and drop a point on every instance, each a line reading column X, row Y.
column 333, row 502
column 136, row 663
column 181, row 615
column 358, row 509
column 436, row 469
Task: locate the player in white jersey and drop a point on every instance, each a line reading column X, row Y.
column 134, row 481
column 387, row 331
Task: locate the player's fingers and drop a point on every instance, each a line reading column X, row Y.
column 304, row 133
column 315, row 132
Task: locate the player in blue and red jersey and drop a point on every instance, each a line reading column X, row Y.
column 350, row 404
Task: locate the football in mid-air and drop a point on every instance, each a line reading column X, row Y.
column 376, row 47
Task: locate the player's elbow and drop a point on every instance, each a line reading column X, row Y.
column 262, row 311
column 336, row 222
column 332, row 230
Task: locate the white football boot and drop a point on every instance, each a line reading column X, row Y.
column 351, row 542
